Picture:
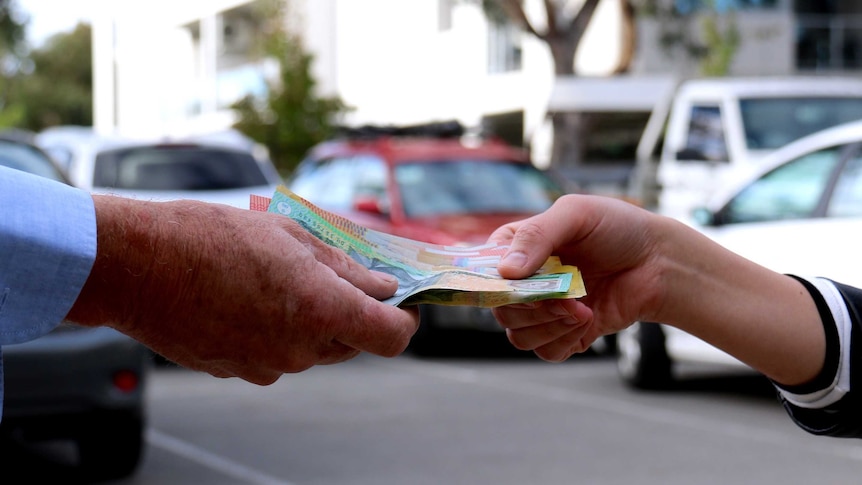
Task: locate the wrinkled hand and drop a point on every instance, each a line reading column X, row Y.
column 612, row 243
column 234, row 292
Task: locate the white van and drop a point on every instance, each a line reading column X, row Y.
column 713, row 127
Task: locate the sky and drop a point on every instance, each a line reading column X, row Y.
column 48, row 17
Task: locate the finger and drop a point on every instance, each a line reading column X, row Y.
column 379, row 328
column 536, row 313
column 375, row 284
column 503, row 235
column 567, row 345
column 531, row 338
column 536, row 238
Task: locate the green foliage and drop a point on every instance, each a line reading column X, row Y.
column 705, row 34
column 291, row 118
column 59, row 89
column 12, row 57
column 721, row 46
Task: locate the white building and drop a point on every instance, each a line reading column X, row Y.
column 173, row 67
column 170, row 68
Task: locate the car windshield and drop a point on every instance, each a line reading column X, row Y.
column 27, row 159
column 773, row 122
column 791, row 191
column 177, row 168
column 473, row 186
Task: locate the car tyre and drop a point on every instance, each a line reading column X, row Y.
column 428, row 339
column 642, row 360
column 111, row 446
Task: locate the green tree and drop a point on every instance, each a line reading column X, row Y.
column 704, row 33
column 13, row 52
column 59, row 88
column 291, row 118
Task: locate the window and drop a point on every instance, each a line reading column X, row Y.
column 773, row 122
column 690, row 6
column 473, row 186
column 828, row 34
column 792, row 191
column 847, row 198
column 176, row 168
column 336, row 183
column 504, row 48
column 705, row 136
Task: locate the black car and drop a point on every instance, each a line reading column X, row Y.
column 77, row 384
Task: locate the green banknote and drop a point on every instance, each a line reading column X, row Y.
column 429, row 273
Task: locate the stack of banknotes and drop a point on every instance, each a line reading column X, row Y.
column 428, row 273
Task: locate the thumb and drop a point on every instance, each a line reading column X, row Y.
column 529, row 248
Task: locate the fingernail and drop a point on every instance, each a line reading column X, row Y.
column 515, row 259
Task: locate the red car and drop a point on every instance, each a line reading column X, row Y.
column 432, row 184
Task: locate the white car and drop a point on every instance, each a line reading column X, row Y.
column 800, row 212
column 216, row 169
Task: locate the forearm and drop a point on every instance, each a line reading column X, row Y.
column 765, row 319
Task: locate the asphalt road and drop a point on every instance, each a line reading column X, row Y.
column 501, row 420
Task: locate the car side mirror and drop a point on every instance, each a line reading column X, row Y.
column 370, row 205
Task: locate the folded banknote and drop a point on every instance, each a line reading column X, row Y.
column 428, row 273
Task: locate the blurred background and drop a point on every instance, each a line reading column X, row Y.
column 674, row 105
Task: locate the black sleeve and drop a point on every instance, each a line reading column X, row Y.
column 844, row 417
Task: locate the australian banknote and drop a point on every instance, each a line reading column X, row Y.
column 428, row 273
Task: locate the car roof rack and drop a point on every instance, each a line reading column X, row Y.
column 439, row 129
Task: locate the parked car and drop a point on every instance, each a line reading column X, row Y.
column 707, row 130
column 216, row 169
column 81, row 384
column 801, row 213
column 427, row 183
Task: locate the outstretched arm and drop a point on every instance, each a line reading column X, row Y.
column 639, row 266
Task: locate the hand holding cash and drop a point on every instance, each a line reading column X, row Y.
column 428, row 273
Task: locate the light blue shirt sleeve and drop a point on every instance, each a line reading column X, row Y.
column 47, row 249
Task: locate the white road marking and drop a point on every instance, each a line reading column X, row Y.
column 210, row 460
column 632, row 410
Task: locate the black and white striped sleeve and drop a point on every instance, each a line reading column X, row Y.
column 831, row 404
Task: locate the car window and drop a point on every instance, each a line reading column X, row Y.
column 473, row 186
column 770, row 123
column 28, row 159
column 847, row 197
column 336, row 183
column 792, row 191
column 705, row 140
column 177, row 168
column 371, row 179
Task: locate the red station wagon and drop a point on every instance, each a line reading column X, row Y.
column 429, row 183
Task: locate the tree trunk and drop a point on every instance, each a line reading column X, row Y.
column 629, row 36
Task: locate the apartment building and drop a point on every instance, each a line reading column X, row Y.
column 174, row 67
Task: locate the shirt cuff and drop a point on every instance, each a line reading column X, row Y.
column 47, row 251
column 834, row 380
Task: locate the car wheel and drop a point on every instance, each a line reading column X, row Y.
column 642, row 359
column 428, row 339
column 606, row 345
column 111, row 447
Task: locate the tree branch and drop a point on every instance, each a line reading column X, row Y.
column 583, row 17
column 516, row 13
